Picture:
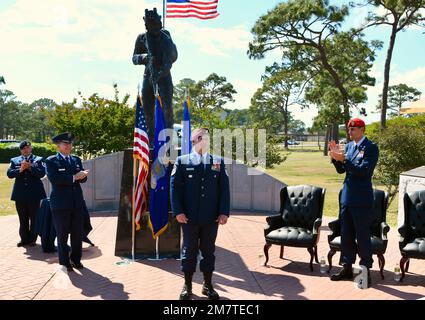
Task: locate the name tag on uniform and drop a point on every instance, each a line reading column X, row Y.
column 61, row 169
column 190, row 169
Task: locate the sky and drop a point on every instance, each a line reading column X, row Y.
column 55, row 48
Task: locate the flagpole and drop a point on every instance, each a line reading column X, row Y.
column 164, row 11
column 133, row 210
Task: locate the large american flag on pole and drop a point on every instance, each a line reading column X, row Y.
column 141, row 154
column 201, row 9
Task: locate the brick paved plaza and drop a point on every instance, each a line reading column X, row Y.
column 28, row 273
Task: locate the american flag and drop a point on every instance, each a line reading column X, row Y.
column 201, row 9
column 141, row 154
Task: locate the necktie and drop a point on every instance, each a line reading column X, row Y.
column 68, row 160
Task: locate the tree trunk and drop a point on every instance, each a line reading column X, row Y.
column 346, row 119
column 2, row 118
column 338, row 83
column 318, row 140
column 335, row 131
column 384, row 105
column 327, row 135
column 285, row 115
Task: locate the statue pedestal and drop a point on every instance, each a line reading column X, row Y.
column 145, row 245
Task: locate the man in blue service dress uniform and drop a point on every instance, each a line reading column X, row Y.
column 28, row 190
column 200, row 200
column 358, row 162
column 65, row 173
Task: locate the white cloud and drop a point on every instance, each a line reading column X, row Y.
column 245, row 90
column 100, row 29
column 413, row 78
column 212, row 41
column 96, row 29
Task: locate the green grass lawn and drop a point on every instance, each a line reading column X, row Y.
column 6, row 206
column 309, row 166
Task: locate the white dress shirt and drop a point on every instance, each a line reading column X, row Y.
column 198, row 156
column 360, row 141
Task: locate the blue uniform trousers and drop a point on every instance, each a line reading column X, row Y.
column 69, row 221
column 27, row 212
column 195, row 238
column 355, row 224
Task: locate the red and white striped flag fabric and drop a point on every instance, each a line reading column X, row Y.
column 141, row 154
column 201, row 9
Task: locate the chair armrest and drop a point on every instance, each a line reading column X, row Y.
column 335, row 227
column 316, row 225
column 405, row 231
column 385, row 228
column 273, row 223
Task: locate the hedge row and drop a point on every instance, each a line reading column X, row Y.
column 11, row 150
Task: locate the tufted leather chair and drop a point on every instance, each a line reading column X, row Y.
column 299, row 220
column 412, row 232
column 378, row 231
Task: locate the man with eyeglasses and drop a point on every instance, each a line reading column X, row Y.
column 358, row 162
column 200, row 201
column 65, row 173
column 28, row 190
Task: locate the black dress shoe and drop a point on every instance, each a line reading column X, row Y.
column 208, row 290
column 77, row 265
column 345, row 274
column 69, row 268
column 186, row 293
column 20, row 244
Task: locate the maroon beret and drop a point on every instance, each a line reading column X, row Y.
column 356, row 122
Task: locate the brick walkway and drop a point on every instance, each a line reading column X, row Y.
column 27, row 273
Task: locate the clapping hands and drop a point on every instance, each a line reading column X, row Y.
column 335, row 151
column 25, row 165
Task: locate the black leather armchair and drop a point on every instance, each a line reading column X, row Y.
column 412, row 232
column 379, row 230
column 299, row 220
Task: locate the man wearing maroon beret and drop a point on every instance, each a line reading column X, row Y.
column 358, row 161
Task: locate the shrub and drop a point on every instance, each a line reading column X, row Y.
column 402, row 148
column 11, row 150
